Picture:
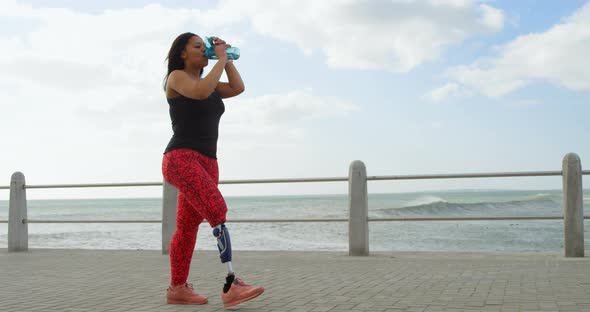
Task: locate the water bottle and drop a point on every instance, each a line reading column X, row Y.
column 233, row 53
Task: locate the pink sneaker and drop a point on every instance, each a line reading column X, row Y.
column 240, row 292
column 184, row 295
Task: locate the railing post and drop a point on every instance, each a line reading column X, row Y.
column 18, row 231
column 573, row 209
column 358, row 226
column 169, row 200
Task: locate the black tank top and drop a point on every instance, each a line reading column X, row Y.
column 196, row 123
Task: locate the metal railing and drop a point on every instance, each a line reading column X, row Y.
column 357, row 197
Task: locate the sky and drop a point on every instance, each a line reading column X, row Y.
column 407, row 87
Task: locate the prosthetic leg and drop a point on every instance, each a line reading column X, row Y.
column 224, row 245
column 235, row 290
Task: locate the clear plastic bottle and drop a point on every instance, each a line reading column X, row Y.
column 233, row 53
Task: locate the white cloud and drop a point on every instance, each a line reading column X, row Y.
column 103, row 63
column 78, row 51
column 279, row 118
column 526, row 102
column 59, row 73
column 85, row 91
column 293, row 106
column 390, row 35
column 104, row 70
column 492, row 17
column 443, row 93
column 74, row 62
column 558, row 56
column 12, row 8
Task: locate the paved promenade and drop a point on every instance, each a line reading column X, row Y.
column 94, row 280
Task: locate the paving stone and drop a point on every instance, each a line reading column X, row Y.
column 122, row 280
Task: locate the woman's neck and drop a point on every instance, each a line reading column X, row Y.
column 193, row 71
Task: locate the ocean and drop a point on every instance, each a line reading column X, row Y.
column 490, row 236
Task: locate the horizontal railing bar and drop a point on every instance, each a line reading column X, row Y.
column 255, row 181
column 471, row 218
column 287, row 220
column 316, row 220
column 329, row 179
column 93, row 185
column 467, row 175
column 295, row 180
column 92, row 221
column 159, row 221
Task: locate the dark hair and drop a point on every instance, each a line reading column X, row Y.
column 174, row 60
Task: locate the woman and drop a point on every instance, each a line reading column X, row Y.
column 190, row 162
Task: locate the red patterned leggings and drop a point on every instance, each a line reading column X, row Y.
column 196, row 177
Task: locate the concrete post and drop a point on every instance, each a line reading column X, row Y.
column 169, row 200
column 573, row 210
column 18, row 231
column 358, row 225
